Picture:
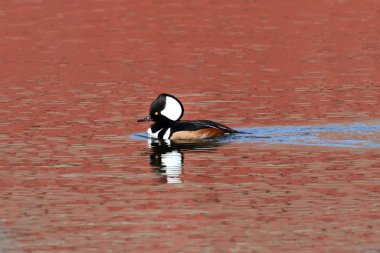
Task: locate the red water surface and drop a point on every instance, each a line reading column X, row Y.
column 75, row 76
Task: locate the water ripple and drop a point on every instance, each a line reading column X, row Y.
column 355, row 135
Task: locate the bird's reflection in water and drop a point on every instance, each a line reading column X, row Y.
column 167, row 157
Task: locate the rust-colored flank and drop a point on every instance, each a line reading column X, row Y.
column 198, row 134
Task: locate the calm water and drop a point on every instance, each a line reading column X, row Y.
column 299, row 78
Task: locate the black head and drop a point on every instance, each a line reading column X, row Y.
column 166, row 109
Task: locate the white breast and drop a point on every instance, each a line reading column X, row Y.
column 155, row 134
column 167, row 134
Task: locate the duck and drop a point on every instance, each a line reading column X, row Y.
column 166, row 112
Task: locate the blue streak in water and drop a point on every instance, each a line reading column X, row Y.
column 349, row 135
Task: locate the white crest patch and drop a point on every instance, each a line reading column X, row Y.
column 173, row 109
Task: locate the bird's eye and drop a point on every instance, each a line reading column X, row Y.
column 156, row 113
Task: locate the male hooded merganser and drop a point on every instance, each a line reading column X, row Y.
column 166, row 112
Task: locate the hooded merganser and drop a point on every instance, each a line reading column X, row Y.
column 166, row 112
